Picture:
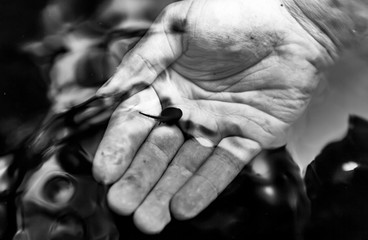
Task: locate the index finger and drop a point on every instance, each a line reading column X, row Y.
column 126, row 132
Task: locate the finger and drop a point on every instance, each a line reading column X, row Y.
column 160, row 47
column 227, row 160
column 154, row 214
column 126, row 132
column 147, row 167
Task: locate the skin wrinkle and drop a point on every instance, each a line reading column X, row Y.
column 297, row 13
column 209, row 183
column 262, row 126
column 193, row 146
column 213, row 77
column 175, row 139
column 222, row 154
column 148, row 64
column 193, row 105
column 237, row 113
column 265, row 108
column 272, row 43
column 222, row 130
column 323, row 26
column 289, row 107
column 251, row 100
column 157, row 147
column 200, row 86
column 314, row 58
column 184, row 169
column 248, row 82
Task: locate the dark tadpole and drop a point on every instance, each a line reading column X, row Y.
column 169, row 115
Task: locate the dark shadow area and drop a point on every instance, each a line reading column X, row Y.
column 22, row 86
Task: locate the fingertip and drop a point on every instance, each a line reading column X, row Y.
column 105, row 173
column 151, row 219
column 99, row 175
column 119, row 202
column 183, row 208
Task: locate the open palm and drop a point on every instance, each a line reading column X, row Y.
column 241, row 72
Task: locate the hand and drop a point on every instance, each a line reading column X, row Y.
column 241, row 71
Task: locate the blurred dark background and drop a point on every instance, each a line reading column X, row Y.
column 26, row 85
column 22, row 87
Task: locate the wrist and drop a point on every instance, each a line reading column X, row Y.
column 335, row 24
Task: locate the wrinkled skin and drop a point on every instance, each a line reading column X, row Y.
column 241, row 72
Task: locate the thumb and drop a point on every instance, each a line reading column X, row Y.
column 160, row 47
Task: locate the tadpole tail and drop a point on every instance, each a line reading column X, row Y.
column 151, row 116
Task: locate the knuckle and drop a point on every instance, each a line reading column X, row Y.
column 228, row 159
column 184, row 169
column 210, row 188
column 159, row 150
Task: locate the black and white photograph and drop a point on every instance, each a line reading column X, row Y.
column 183, row 119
